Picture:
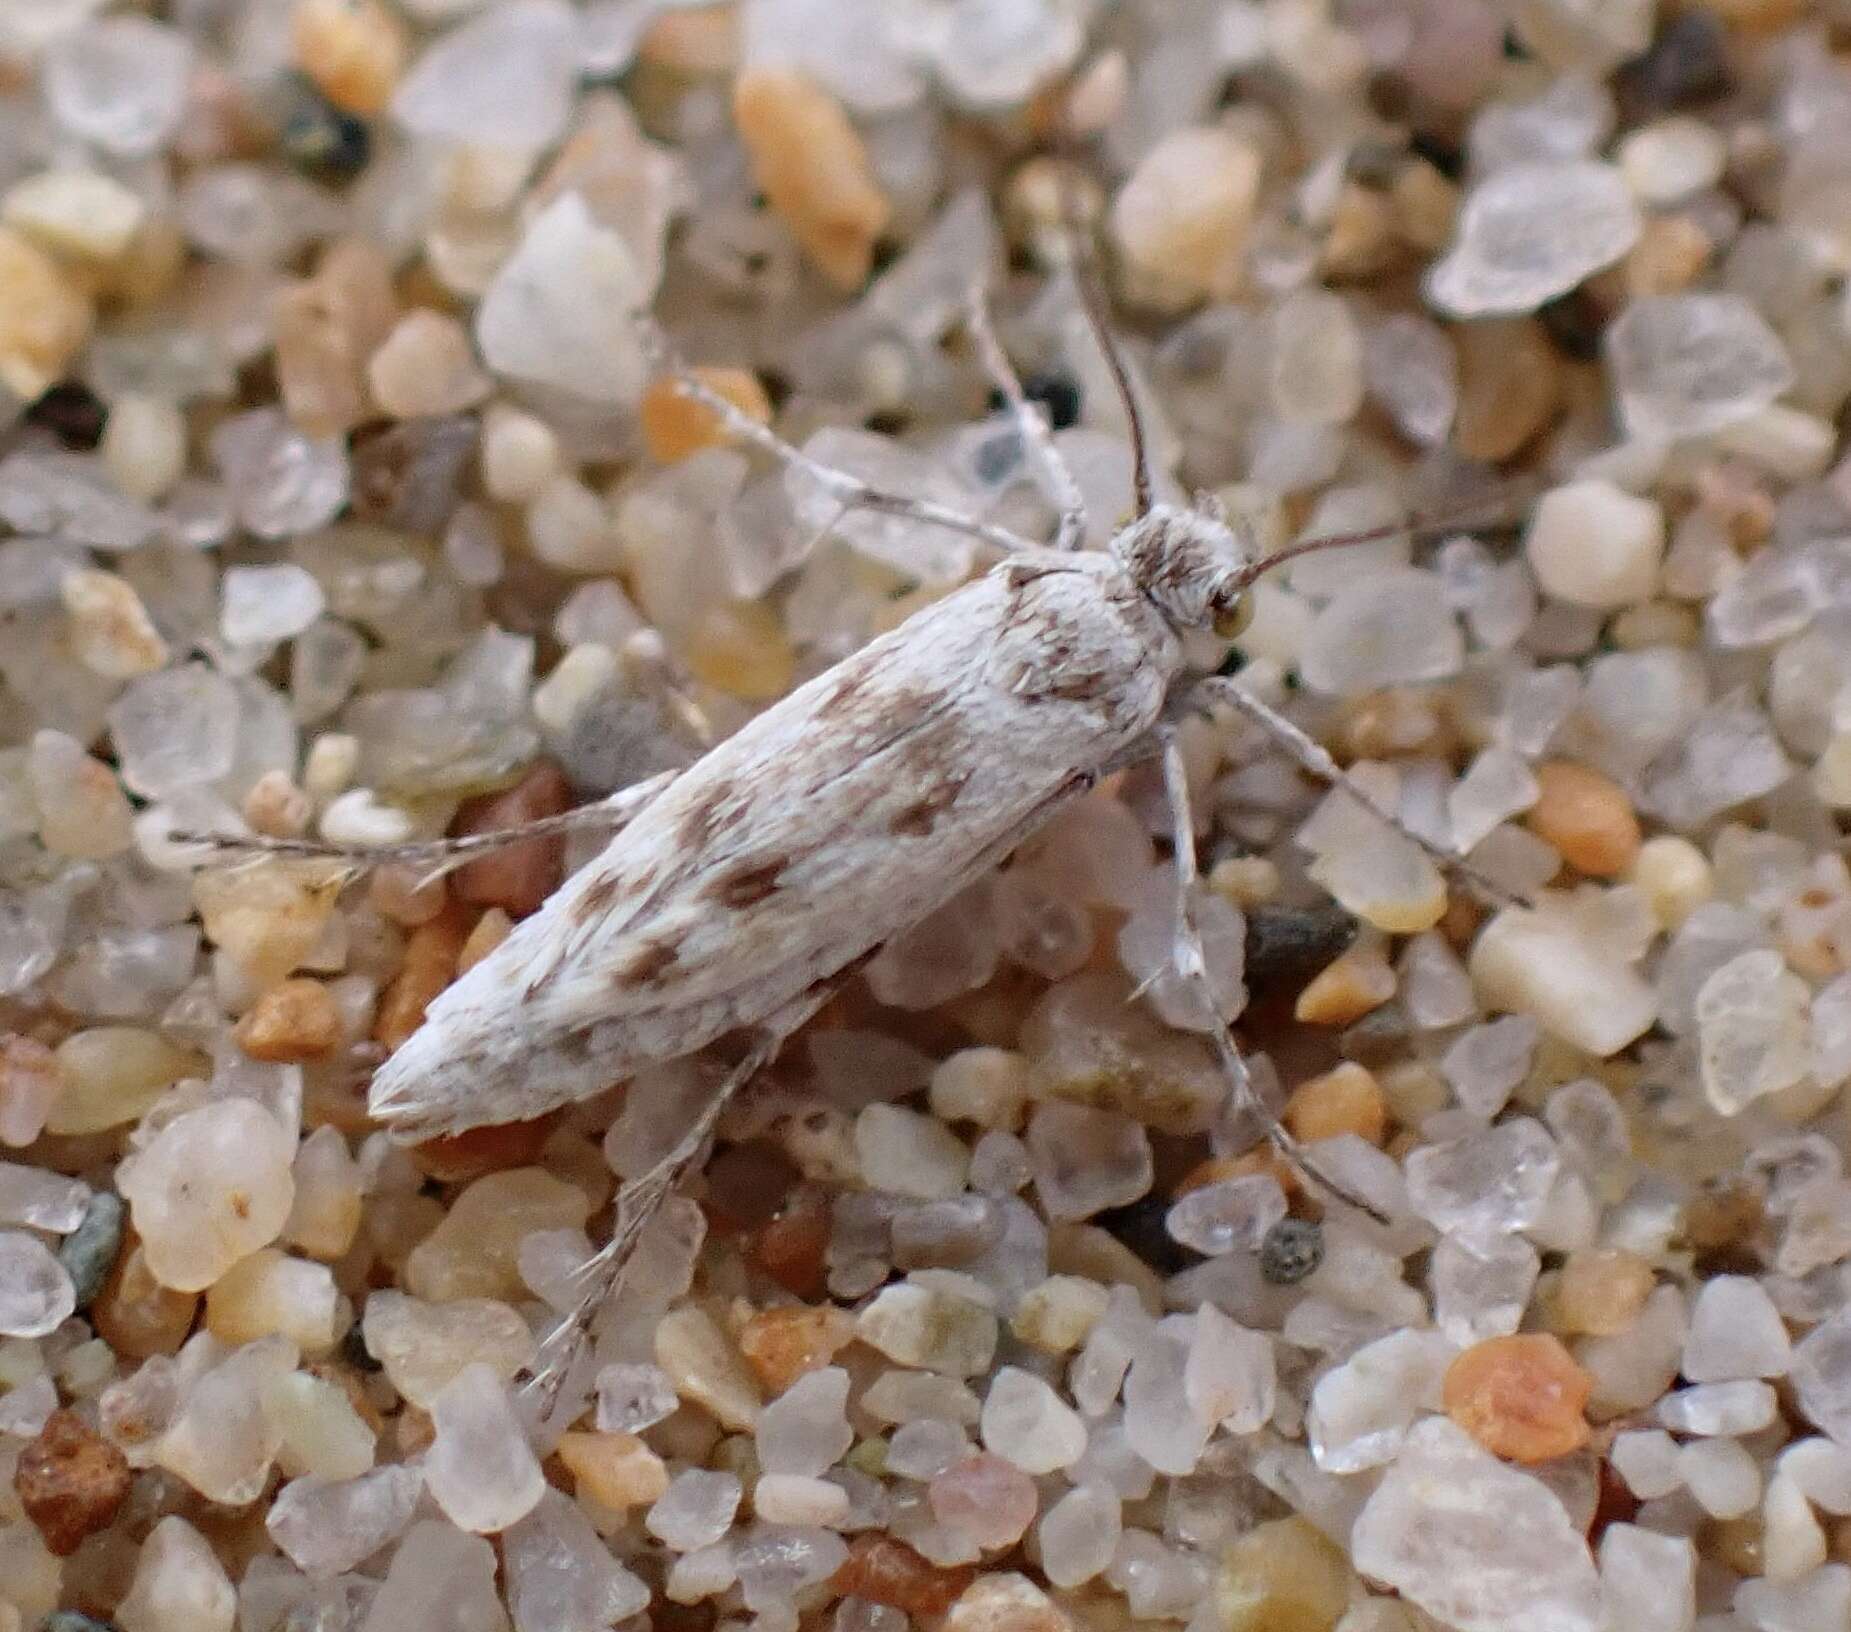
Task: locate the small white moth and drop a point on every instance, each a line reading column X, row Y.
column 744, row 889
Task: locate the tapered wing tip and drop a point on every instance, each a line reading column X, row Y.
column 439, row 1082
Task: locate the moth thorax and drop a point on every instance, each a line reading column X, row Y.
column 1188, row 564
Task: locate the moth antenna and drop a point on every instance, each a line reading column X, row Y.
column 1438, row 521
column 1097, row 311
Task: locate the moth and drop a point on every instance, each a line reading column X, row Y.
column 738, row 894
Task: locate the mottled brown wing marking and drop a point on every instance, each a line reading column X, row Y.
column 699, row 822
column 649, row 962
column 1075, row 685
column 891, row 720
column 597, row 899
column 922, row 815
column 846, row 690
column 747, row 884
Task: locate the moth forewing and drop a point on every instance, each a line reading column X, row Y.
column 839, row 817
column 747, row 886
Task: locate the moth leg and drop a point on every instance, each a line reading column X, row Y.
column 440, row 855
column 1030, row 424
column 640, row 1199
column 1191, row 964
column 1315, row 760
column 850, row 491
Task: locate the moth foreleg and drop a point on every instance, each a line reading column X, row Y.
column 1191, row 965
column 1029, row 423
column 1315, row 760
column 440, row 855
column 851, row 492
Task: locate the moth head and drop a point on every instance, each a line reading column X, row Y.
column 1190, row 566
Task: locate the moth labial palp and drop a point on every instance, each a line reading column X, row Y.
column 738, row 893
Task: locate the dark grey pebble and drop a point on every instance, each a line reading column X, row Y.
column 1687, row 63
column 1288, row 945
column 410, row 476
column 89, row 1251
column 1293, row 1248
column 1380, row 1037
column 1140, row 1226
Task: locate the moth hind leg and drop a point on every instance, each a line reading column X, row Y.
column 1191, row 965
column 640, row 1199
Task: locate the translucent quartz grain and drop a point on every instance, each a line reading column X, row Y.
column 1230, row 1215
column 557, row 311
column 925, row 1449
column 120, row 82
column 909, row 1154
column 327, row 1526
column 1719, row 1408
column 423, row 1346
column 1546, row 964
column 804, row 1430
column 1494, row 1182
column 439, row 1577
column 1027, row 1423
column 985, row 1497
column 1530, row 232
column 1361, row 1411
column 36, row 1294
column 633, row 1397
column 561, row 1575
column 1735, row 1332
column 1688, row 364
column 175, row 730
column 45, row 1201
column 1753, row 1032
column 1721, row 1476
column 916, row 1325
column 212, row 1187
column 1475, row 1543
column 1230, row 1376
column 1487, row 1062
column 1079, row 1534
column 1649, row 1580
column 1086, row 1160
column 263, row 604
column 504, row 79
column 695, row 1511
column 1647, row 1459
column 480, row 1469
column 221, row 1440
column 1481, row 1284
column 179, row 1584
column 1392, row 629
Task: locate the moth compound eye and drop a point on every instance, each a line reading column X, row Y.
column 1231, row 620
